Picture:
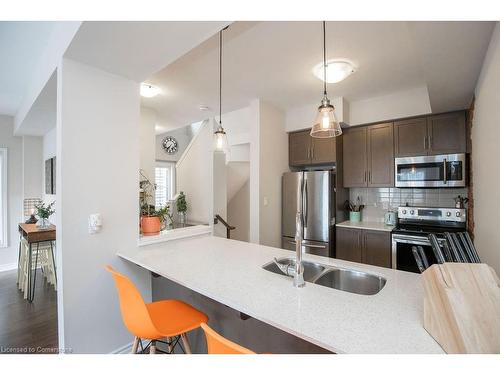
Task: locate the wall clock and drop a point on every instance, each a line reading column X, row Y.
column 170, row 145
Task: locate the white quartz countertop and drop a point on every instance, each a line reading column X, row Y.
column 231, row 273
column 369, row 225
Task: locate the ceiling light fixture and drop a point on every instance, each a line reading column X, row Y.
column 325, row 124
column 336, row 70
column 204, row 108
column 220, row 137
column 149, row 91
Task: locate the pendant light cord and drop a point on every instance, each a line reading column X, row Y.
column 220, row 77
column 324, row 57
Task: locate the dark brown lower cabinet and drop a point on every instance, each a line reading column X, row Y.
column 348, row 244
column 364, row 246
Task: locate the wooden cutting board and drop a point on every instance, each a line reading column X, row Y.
column 462, row 307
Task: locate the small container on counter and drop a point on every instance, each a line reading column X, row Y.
column 355, row 216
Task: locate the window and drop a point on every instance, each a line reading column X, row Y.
column 165, row 183
column 3, row 197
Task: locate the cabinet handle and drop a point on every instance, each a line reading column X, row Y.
column 364, row 179
column 429, row 142
column 312, row 152
column 369, row 176
column 425, row 142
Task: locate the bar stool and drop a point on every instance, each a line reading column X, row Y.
column 42, row 257
column 170, row 319
column 218, row 344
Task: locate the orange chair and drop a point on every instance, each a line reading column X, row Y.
column 220, row 345
column 153, row 321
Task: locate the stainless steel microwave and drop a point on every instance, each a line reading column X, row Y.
column 431, row 171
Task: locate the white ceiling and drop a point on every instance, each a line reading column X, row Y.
column 137, row 49
column 22, row 45
column 274, row 60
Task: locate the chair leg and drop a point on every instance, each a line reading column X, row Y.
column 152, row 347
column 169, row 345
column 185, row 343
column 136, row 345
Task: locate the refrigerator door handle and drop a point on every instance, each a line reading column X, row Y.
column 305, row 202
column 302, row 186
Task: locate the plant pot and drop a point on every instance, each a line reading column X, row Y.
column 182, row 217
column 150, row 225
column 43, row 223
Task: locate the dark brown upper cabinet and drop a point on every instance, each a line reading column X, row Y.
column 432, row 135
column 368, row 156
column 299, row 148
column 410, row 137
column 323, row 150
column 305, row 150
column 446, row 133
column 380, row 155
column 355, row 157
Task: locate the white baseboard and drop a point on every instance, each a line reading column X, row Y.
column 8, row 267
column 125, row 349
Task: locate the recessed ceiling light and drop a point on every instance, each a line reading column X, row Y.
column 149, row 91
column 336, row 70
column 204, row 108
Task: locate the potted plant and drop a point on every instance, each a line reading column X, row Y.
column 44, row 211
column 150, row 221
column 182, row 207
column 166, row 219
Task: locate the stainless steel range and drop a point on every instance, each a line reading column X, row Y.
column 413, row 229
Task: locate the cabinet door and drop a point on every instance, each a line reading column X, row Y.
column 410, row 137
column 447, row 133
column 348, row 244
column 299, row 148
column 354, row 158
column 323, row 150
column 380, row 155
column 376, row 248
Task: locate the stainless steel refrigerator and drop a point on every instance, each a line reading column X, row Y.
column 313, row 192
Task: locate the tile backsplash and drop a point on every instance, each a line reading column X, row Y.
column 378, row 201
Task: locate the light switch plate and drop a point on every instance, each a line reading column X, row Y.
column 95, row 223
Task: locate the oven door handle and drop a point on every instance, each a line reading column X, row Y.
column 444, row 171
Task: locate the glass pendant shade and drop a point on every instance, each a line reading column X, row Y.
column 220, row 140
column 326, row 124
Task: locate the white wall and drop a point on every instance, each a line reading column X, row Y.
column 9, row 254
column 303, row 117
column 147, row 141
column 238, row 213
column 273, row 162
column 33, row 182
column 401, row 104
column 98, row 152
column 183, row 136
column 49, row 151
column 485, row 141
column 194, row 175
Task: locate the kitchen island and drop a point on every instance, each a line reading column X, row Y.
column 230, row 272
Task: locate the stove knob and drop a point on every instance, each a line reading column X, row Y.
column 457, row 214
column 448, row 213
column 404, row 212
column 412, row 212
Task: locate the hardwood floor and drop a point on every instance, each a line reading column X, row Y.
column 25, row 327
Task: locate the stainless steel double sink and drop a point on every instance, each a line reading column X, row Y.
column 347, row 280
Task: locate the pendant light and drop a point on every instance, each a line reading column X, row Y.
column 220, row 138
column 326, row 124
